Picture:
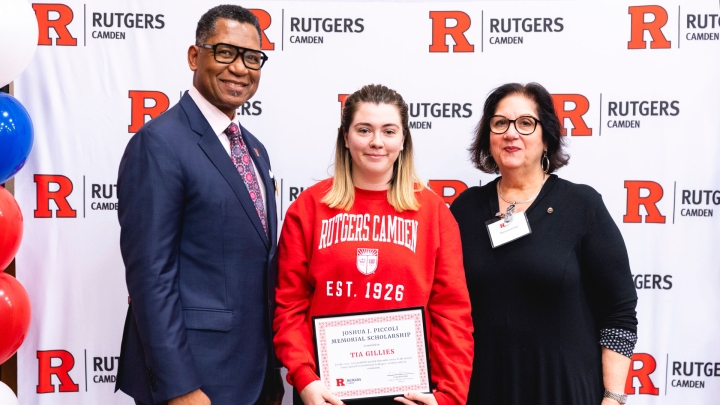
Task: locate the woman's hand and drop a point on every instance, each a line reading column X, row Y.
column 412, row 398
column 315, row 393
column 615, row 368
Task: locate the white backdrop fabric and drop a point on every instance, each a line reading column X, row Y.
column 637, row 86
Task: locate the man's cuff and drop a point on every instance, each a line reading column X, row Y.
column 172, row 376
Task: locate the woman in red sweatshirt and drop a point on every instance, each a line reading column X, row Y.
column 376, row 206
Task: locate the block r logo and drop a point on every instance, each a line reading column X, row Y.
column 575, row 114
column 265, row 20
column 638, row 26
column 138, row 108
column 634, row 201
column 440, row 31
column 441, row 187
column 42, row 12
column 46, row 370
column 44, row 195
column 648, row 366
column 341, row 99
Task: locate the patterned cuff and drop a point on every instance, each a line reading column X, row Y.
column 618, row 340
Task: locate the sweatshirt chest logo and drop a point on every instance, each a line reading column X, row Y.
column 345, row 227
column 367, row 260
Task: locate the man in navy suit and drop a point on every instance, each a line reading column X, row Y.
column 198, row 235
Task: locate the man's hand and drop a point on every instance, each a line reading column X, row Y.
column 315, row 393
column 413, row 398
column 196, row 397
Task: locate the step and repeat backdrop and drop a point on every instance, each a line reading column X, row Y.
column 636, row 84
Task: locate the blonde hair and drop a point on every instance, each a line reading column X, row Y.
column 404, row 182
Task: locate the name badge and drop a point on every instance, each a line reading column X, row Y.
column 502, row 232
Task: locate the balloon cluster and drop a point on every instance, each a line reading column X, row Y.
column 14, row 301
column 18, row 40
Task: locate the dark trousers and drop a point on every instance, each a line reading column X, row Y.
column 267, row 389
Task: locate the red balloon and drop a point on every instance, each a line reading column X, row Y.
column 11, row 228
column 14, row 315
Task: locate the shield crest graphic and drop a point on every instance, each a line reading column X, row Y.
column 367, row 260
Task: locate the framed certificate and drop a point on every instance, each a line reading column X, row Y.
column 372, row 354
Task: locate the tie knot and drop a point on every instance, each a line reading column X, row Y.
column 232, row 130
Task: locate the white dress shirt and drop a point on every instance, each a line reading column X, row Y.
column 219, row 122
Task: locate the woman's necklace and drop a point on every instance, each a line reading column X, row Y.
column 511, row 208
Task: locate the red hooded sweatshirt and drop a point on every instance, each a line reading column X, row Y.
column 417, row 262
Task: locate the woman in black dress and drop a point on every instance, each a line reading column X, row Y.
column 553, row 309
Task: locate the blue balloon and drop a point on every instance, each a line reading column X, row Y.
column 16, row 136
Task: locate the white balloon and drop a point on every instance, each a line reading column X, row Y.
column 18, row 38
column 7, row 396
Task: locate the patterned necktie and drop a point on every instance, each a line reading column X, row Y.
column 243, row 164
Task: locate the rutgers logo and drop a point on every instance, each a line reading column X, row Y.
column 341, row 99
column 367, row 260
column 59, row 196
column 654, row 194
column 145, row 103
column 647, row 366
column 454, row 24
column 59, row 25
column 448, row 190
column 638, row 26
column 264, row 19
column 573, row 107
column 62, row 371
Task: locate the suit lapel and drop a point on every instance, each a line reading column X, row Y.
column 210, row 144
column 263, row 168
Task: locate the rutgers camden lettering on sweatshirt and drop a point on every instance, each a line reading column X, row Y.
column 372, row 257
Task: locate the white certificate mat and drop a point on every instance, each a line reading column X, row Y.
column 372, row 354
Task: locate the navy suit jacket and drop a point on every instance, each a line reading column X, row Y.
column 200, row 269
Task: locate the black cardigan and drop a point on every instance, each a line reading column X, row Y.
column 539, row 302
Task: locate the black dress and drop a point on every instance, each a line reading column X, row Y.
column 539, row 302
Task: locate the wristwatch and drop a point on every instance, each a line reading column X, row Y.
column 621, row 398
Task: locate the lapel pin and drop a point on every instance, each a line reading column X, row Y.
column 550, row 210
column 256, row 152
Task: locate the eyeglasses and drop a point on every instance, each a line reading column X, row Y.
column 226, row 54
column 523, row 125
